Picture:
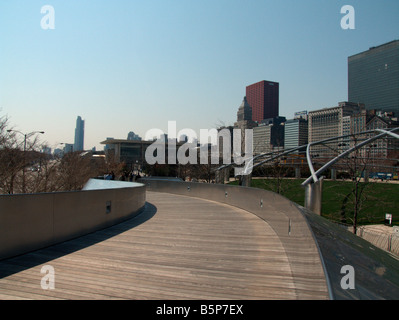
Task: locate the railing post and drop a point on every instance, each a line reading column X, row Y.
column 313, row 196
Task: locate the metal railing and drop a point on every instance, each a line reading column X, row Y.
column 256, row 161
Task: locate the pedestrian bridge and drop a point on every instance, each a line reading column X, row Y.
column 202, row 241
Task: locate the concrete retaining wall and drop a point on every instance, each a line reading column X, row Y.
column 33, row 221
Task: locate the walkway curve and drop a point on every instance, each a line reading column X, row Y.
column 178, row 248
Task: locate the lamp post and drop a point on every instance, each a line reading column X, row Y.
column 26, row 135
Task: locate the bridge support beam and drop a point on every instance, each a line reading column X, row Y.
column 313, row 196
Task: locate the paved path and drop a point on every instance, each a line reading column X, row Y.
column 179, row 248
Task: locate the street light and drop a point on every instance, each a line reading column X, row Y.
column 26, row 135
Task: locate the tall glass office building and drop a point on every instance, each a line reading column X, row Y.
column 295, row 133
column 373, row 77
column 79, row 134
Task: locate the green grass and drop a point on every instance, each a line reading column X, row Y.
column 380, row 198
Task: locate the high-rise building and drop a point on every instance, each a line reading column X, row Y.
column 268, row 136
column 373, row 77
column 79, row 135
column 263, row 97
column 262, row 139
column 295, row 133
column 244, row 112
column 244, row 118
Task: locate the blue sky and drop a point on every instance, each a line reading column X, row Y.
column 133, row 65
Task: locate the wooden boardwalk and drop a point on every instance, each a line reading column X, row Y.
column 178, row 248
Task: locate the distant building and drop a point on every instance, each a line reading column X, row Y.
column 262, row 137
column 358, row 122
column 79, row 135
column 244, row 116
column 108, row 146
column 353, row 124
column 301, row 115
column 244, row 120
column 163, row 137
column 132, row 152
column 46, row 150
column 225, row 141
column 132, row 136
column 68, row 147
column 295, row 133
column 328, row 123
column 263, row 97
column 268, row 136
column 58, row 152
column 373, row 77
column 388, row 147
column 183, row 138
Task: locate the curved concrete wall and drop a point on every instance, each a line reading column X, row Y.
column 33, row 221
column 281, row 214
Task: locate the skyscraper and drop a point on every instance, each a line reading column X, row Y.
column 79, row 135
column 244, row 117
column 295, row 133
column 373, row 77
column 263, row 97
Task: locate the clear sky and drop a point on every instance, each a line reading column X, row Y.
column 129, row 65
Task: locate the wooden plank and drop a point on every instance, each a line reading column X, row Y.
column 190, row 249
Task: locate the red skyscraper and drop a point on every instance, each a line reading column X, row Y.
column 263, row 97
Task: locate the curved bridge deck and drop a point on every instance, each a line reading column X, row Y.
column 178, row 248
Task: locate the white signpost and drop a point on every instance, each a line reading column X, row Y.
column 388, row 219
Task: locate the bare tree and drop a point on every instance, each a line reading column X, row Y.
column 74, row 170
column 355, row 199
column 112, row 165
column 25, row 168
column 11, row 158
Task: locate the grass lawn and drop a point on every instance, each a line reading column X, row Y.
column 380, row 198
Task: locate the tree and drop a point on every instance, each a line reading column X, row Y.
column 354, row 198
column 112, row 165
column 74, row 170
column 25, row 168
column 11, row 158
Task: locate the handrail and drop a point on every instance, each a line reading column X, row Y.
column 342, row 155
column 314, row 173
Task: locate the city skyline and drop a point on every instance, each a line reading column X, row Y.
column 187, row 62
